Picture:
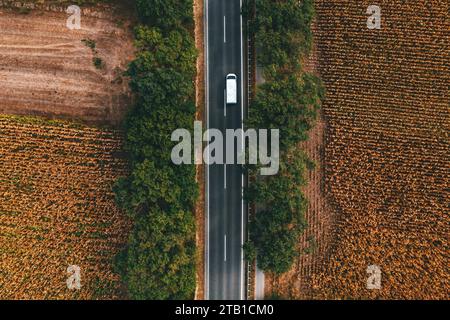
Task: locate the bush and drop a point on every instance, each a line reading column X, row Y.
column 98, row 62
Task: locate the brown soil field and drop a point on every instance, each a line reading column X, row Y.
column 57, row 209
column 46, row 69
column 386, row 150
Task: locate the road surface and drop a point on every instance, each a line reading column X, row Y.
column 226, row 212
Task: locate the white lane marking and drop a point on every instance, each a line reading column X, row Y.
column 225, row 249
column 225, row 102
column 242, row 175
column 207, row 166
column 225, row 176
column 224, row 29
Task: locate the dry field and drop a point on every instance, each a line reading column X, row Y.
column 386, row 160
column 46, row 69
column 57, row 209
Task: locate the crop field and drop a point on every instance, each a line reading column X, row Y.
column 57, row 209
column 387, row 151
column 386, row 159
column 48, row 70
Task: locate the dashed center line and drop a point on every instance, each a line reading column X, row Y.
column 224, row 29
column 225, row 102
column 225, row 249
column 225, row 176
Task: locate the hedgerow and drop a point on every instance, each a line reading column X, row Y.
column 159, row 260
column 289, row 101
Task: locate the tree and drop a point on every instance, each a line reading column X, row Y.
column 274, row 243
column 164, row 69
column 149, row 130
column 166, row 14
column 287, row 103
column 159, row 261
column 284, row 27
column 275, row 229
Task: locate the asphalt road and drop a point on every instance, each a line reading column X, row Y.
column 226, row 217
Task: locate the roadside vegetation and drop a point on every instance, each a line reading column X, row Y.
column 289, row 101
column 23, row 4
column 159, row 260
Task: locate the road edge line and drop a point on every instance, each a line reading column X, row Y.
column 243, row 286
column 206, row 49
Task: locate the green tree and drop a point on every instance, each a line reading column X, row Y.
column 275, row 230
column 289, row 104
column 166, row 14
column 273, row 242
column 282, row 30
column 159, row 261
column 164, row 69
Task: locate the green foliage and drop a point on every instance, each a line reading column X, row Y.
column 282, row 30
column 98, row 62
column 89, row 43
column 275, row 229
column 289, row 101
column 166, row 14
column 164, row 186
column 163, row 71
column 278, row 244
column 289, row 104
column 159, row 260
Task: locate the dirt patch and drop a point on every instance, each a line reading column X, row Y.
column 47, row 70
column 200, row 116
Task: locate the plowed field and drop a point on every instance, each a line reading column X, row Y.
column 47, row 70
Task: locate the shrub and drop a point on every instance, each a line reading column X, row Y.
column 98, row 62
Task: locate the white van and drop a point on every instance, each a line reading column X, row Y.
column 231, row 88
